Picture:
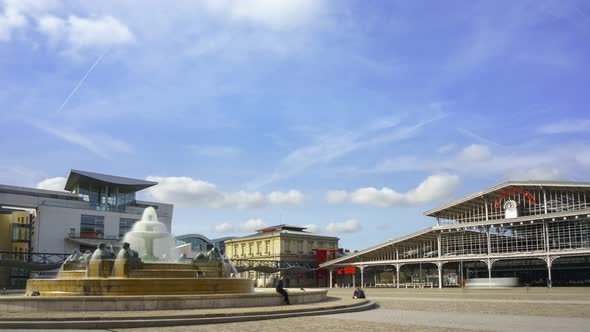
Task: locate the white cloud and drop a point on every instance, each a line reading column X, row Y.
column 189, row 192
column 252, row 225
column 10, row 20
column 313, row 228
column 242, row 200
column 75, row 32
column 224, row 228
column 566, row 126
column 184, row 191
column 57, row 183
column 292, row 198
column 278, row 15
column 15, row 13
column 348, row 226
column 475, row 152
column 434, row 188
column 81, row 33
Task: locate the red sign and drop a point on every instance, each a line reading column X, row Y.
column 347, row 270
column 516, row 191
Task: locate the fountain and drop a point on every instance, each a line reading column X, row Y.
column 143, row 266
column 142, row 276
column 151, row 239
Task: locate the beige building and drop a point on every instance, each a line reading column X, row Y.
column 284, row 250
column 15, row 240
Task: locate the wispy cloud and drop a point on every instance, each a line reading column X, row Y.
column 558, row 162
column 100, row 144
column 278, row 15
column 333, row 146
column 215, row 151
column 477, row 137
column 566, row 126
column 445, row 148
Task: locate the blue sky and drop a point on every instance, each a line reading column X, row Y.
column 351, row 117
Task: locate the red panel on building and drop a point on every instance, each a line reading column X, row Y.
column 322, row 256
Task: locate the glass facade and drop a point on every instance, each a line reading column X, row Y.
column 197, row 244
column 125, row 225
column 105, row 197
column 92, row 226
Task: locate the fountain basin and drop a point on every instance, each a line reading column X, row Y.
column 258, row 298
column 138, row 286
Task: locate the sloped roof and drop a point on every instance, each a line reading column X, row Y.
column 283, row 231
column 343, row 259
column 493, row 192
column 125, row 184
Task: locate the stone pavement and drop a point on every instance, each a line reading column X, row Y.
column 518, row 309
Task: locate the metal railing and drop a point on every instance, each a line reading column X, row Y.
column 34, row 257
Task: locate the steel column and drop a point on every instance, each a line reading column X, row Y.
column 362, row 267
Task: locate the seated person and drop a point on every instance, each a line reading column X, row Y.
column 358, row 293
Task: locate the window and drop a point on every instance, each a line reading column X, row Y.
column 20, row 233
column 321, row 245
column 92, row 226
column 258, row 245
column 300, row 246
column 235, row 250
column 287, row 245
column 310, row 246
column 243, row 249
column 267, row 247
column 125, row 225
column 250, row 248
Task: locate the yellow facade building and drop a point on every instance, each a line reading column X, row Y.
column 282, row 250
column 15, row 240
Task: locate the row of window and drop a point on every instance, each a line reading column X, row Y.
column 20, row 233
column 250, row 252
column 92, row 226
column 289, row 246
column 22, row 220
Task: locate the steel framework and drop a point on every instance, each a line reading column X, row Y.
column 549, row 220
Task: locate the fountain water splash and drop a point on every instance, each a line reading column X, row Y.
column 151, row 239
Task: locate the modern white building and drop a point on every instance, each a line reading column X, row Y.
column 94, row 208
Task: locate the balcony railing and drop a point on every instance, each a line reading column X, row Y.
column 129, row 209
column 33, row 257
column 92, row 235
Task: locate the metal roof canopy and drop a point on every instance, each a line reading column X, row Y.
column 124, row 184
column 493, row 193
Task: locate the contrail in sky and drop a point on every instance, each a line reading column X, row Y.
column 82, row 80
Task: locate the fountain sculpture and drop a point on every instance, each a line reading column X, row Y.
column 142, row 267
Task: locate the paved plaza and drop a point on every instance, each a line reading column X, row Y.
column 518, row 309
